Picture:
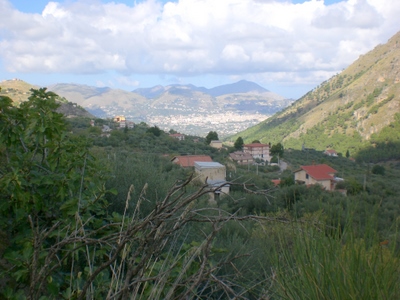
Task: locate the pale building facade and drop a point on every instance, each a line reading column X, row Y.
column 322, row 174
column 257, row 150
column 215, row 174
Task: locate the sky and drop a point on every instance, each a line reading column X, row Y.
column 286, row 46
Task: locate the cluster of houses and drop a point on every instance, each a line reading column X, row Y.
column 250, row 153
column 214, row 173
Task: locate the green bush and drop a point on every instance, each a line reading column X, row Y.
column 378, row 170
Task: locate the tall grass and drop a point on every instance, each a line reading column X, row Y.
column 340, row 265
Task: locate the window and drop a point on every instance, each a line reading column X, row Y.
column 307, row 177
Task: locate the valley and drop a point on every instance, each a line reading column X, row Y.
column 184, row 108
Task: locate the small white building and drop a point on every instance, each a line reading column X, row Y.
column 331, row 152
column 216, row 144
column 215, row 174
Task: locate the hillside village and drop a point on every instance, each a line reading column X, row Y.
column 140, row 160
column 97, row 208
column 252, row 154
column 136, row 194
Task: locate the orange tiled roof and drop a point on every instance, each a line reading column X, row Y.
column 276, row 182
column 319, row 172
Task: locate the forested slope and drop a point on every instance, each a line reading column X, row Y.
column 352, row 110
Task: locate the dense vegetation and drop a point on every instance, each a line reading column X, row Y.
column 87, row 215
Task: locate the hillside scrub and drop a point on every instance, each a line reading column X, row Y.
column 348, row 111
column 118, row 220
column 342, row 265
column 63, row 241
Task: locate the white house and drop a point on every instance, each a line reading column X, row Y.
column 257, row 150
column 215, row 174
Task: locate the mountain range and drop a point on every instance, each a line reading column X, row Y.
column 239, row 87
column 356, row 108
column 188, row 109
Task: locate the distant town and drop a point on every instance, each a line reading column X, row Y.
column 226, row 124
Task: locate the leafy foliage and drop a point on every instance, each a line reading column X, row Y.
column 154, row 130
column 239, row 143
column 276, row 150
column 211, row 136
column 148, row 231
column 46, row 178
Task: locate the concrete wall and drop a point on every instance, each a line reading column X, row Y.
column 212, row 173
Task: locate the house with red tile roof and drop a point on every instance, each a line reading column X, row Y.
column 321, row 174
column 178, row 136
column 331, row 152
column 257, row 150
column 189, row 160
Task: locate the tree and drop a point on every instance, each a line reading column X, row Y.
column 347, row 154
column 211, row 136
column 155, row 131
column 239, row 143
column 50, row 187
column 256, row 142
column 276, row 150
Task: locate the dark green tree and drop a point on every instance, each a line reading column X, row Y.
column 238, row 143
column 49, row 186
column 154, row 130
column 347, row 154
column 256, row 142
column 276, row 150
column 274, row 160
column 211, row 136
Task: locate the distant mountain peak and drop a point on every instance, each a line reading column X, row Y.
column 242, row 86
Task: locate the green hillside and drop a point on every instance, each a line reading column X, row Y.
column 353, row 110
column 19, row 91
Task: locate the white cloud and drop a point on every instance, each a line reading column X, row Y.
column 127, row 81
column 192, row 37
column 352, row 15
